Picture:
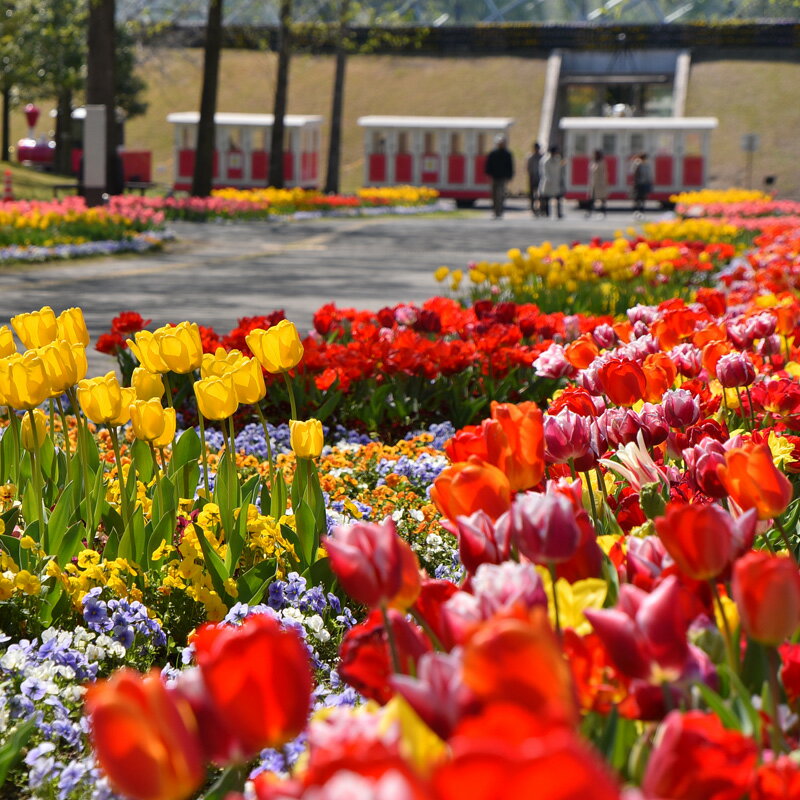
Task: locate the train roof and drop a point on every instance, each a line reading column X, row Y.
column 482, row 123
column 244, row 120
column 638, row 123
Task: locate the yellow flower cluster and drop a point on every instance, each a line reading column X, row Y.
column 695, row 230
column 707, row 196
column 13, row 580
column 268, row 196
column 399, row 195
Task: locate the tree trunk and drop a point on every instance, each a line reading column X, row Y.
column 276, row 177
column 202, row 180
column 101, row 88
column 335, row 140
column 62, row 158
column 6, row 144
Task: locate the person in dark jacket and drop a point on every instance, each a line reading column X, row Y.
column 500, row 168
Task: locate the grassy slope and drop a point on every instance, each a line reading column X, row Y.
column 758, row 97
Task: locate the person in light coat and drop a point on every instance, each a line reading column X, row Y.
column 551, row 185
column 598, row 183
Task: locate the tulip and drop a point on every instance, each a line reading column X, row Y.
column 81, row 362
column 777, row 780
column 467, row 487
column 147, row 384
column 220, row 362
column 59, row 364
column 145, row 347
column 216, row 397
column 659, row 371
column 248, row 378
column 306, row 437
column 278, row 349
column 31, row 441
column 700, row 539
column 479, row 541
column 734, row 370
column 753, row 481
column 681, row 408
column 506, row 587
column 524, row 433
column 37, row 328
column 23, row 381
column 102, row 400
column 180, row 347
column 567, row 436
column 621, row 425
column 697, row 758
column 257, row 680
column 148, row 419
column 144, row 737
column 7, row 345
column 72, row 327
column 766, row 589
column 624, row 382
column 168, row 434
column 581, row 352
column 370, row 562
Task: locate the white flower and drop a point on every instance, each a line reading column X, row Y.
column 397, row 514
column 293, row 614
column 417, row 515
column 317, row 626
column 636, row 465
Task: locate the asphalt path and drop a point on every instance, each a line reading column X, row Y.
column 216, row 273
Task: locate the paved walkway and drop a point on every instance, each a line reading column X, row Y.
column 218, row 272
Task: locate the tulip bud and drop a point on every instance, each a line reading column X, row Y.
column 29, row 440
column 144, row 346
column 23, row 381
column 7, row 345
column 654, row 424
column 681, row 408
column 735, row 369
column 37, row 328
column 147, row 384
column 72, row 327
column 479, row 542
column 101, row 400
column 248, row 379
column 566, row 436
column 306, row 437
column 620, row 425
column 216, row 397
column 147, row 419
column 278, row 349
column 753, row 481
column 220, row 362
column 605, row 336
column 543, row 527
column 180, row 347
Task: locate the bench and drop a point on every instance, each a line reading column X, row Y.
column 75, row 188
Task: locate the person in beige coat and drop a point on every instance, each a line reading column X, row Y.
column 598, row 183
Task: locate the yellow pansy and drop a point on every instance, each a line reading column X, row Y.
column 573, row 599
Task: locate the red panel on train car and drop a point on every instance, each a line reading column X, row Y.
column 186, row 162
column 377, row 168
column 75, row 160
column 314, row 166
column 402, row 168
column 235, row 165
column 259, row 161
column 480, row 175
column 692, row 170
column 612, row 165
column 431, row 168
column 580, row 171
column 456, row 169
column 288, row 166
column 136, row 165
column 663, row 170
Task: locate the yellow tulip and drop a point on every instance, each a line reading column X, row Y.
column 306, row 437
column 220, row 362
column 37, row 328
column 168, row 433
column 147, row 384
column 23, row 381
column 7, row 344
column 81, row 364
column 144, row 346
column 216, row 397
column 60, row 366
column 128, row 397
column 28, row 441
column 278, row 348
column 148, row 419
column 101, row 399
column 72, row 327
column 180, row 347
column 248, row 380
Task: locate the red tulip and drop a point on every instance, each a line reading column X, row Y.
column 373, row 564
column 696, row 758
column 257, row 678
column 522, row 425
column 766, row 589
column 777, row 780
column 470, row 486
column 432, row 597
column 145, row 737
column 790, row 670
column 567, row 435
column 753, row 480
column 479, row 541
column 735, row 369
column 623, row 382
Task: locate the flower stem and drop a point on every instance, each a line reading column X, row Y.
column 269, row 446
column 83, row 434
column 37, row 484
column 733, row 661
column 785, row 538
column 390, row 638
column 553, row 578
column 290, row 389
column 123, row 496
column 167, row 390
column 64, row 430
column 776, row 734
column 204, row 455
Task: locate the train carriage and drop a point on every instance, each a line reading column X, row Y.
column 444, row 153
column 677, row 148
column 242, row 149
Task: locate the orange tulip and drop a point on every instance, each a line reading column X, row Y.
column 470, row 486
column 752, row 480
column 659, row 372
column 581, row 352
column 523, row 426
column 711, row 333
column 145, row 737
column 712, row 353
column 624, row 382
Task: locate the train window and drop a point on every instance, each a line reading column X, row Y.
column 637, row 142
column 402, row 142
column 378, row 144
column 234, row 138
column 581, row 144
column 261, row 138
column 188, row 137
column 456, row 146
column 692, row 143
column 609, row 144
column 664, row 143
column 481, row 143
column 430, row 142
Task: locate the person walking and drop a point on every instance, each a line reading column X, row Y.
column 534, row 176
column 598, row 183
column 642, row 183
column 551, row 184
column 500, row 168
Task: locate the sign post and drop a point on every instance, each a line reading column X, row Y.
column 750, row 144
column 94, row 154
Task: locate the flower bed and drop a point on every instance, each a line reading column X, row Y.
column 596, row 596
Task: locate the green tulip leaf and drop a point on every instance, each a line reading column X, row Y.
column 254, row 583
column 142, row 458
column 186, row 450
